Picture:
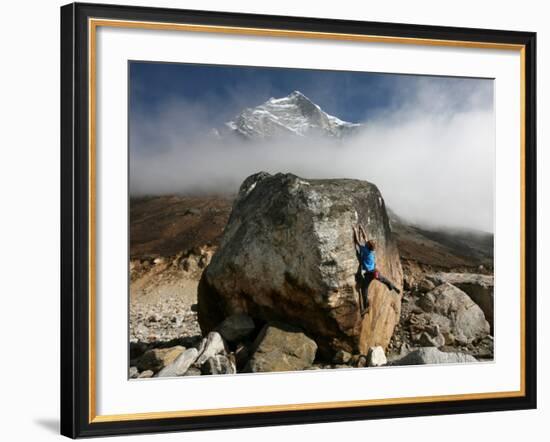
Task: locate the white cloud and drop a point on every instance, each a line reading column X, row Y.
column 433, row 163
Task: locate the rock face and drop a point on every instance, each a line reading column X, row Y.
column 280, row 347
column 431, row 355
column 287, row 254
column 452, row 314
column 478, row 287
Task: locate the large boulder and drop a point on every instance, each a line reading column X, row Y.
column 452, row 313
column 280, row 347
column 287, row 254
column 478, row 287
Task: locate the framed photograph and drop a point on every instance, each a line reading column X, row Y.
column 278, row 220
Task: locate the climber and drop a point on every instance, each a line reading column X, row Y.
column 366, row 254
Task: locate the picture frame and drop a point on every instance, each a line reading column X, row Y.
column 79, row 137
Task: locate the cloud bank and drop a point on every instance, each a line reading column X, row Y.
column 431, row 154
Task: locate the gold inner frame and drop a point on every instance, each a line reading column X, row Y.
column 93, row 24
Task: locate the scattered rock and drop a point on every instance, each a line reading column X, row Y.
column 133, row 373
column 341, row 357
column 480, row 288
column 431, row 355
column 280, row 347
column 219, row 364
column 192, row 211
column 376, row 357
column 425, row 285
column 459, row 319
column 361, row 361
column 146, row 374
column 211, row 346
column 157, row 358
column 193, row 371
column 236, row 327
column 180, row 366
column 408, row 282
column 241, row 355
column 155, row 317
column 427, row 340
column 426, row 302
column 336, row 366
column 288, row 252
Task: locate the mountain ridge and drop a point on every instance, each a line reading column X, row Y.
column 294, row 115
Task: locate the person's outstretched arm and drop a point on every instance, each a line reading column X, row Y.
column 363, row 234
column 356, row 240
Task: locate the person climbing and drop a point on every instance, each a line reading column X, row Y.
column 366, row 253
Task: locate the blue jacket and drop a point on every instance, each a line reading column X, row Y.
column 368, row 258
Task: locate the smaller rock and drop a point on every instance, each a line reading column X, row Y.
column 133, row 373
column 408, row 282
column 180, row 366
column 212, row 345
column 427, row 302
column 404, row 350
column 281, row 347
column 157, row 358
column 192, row 211
column 431, row 355
column 193, row 371
column 141, row 330
column 425, row 340
column 242, row 354
column 361, row 361
column 155, row 317
column 376, row 357
column 425, row 286
column 236, row 327
column 341, row 357
column 146, row 374
column 219, row 364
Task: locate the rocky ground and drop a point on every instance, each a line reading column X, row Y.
column 163, row 296
column 444, row 317
column 436, row 313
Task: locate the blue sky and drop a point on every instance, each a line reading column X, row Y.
column 226, row 90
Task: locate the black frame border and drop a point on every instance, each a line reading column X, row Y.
column 75, row 220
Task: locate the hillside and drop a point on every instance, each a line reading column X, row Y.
column 167, row 225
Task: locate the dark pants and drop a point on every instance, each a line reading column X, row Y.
column 366, row 279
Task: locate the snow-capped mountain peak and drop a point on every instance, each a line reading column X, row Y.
column 294, row 115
